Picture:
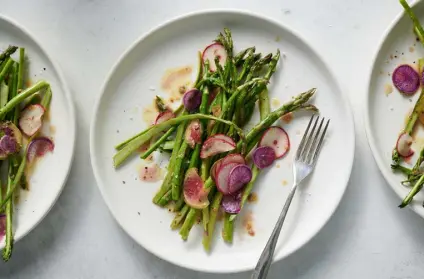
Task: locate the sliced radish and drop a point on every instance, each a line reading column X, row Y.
column 192, row 99
column 10, row 129
column 403, row 145
column 216, row 145
column 193, row 133
column 239, row 176
column 38, row 147
column 224, row 137
column 276, row 138
column 212, row 51
column 8, row 144
column 195, row 194
column 263, row 156
column 230, row 158
column 232, row 203
column 164, row 116
column 406, row 79
column 222, row 178
column 31, row 119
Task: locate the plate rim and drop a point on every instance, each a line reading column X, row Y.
column 367, row 120
column 72, row 128
column 183, row 16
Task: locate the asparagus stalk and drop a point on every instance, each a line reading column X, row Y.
column 128, row 149
column 192, row 215
column 160, row 104
column 47, row 97
column 158, row 143
column 199, row 69
column 7, row 53
column 165, row 199
column 7, row 251
column 207, row 237
column 4, row 93
column 240, row 57
column 228, row 230
column 179, row 217
column 177, row 172
column 15, row 182
column 417, row 187
column 21, row 68
column 6, row 69
column 22, row 96
column 417, row 26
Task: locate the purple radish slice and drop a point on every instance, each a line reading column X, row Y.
column 222, row 178
column 263, row 156
column 232, row 203
column 403, row 145
column 164, row 116
column 212, row 51
column 38, row 147
column 31, row 119
column 213, row 146
column 406, row 79
column 276, row 138
column 10, row 129
column 192, row 99
column 193, row 133
column 194, row 192
column 230, row 158
column 8, row 144
column 239, row 176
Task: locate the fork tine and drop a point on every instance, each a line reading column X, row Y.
column 308, row 146
column 318, row 149
column 313, row 146
column 301, row 144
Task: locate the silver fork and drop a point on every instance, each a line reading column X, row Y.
column 304, row 162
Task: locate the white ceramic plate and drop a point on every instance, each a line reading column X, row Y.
column 385, row 114
column 128, row 89
column 51, row 172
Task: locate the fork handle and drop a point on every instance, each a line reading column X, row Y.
column 262, row 267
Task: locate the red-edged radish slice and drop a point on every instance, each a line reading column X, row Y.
column 224, row 137
column 195, row 194
column 193, row 133
column 222, row 178
column 230, row 158
column 214, row 145
column 403, row 145
column 164, row 116
column 406, row 79
column 276, row 138
column 31, row 119
column 212, row 51
column 232, row 203
column 192, row 99
column 239, row 176
column 215, row 167
column 38, row 147
column 263, row 156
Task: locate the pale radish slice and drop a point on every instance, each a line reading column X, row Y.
column 212, row 51
column 232, row 203
column 239, row 176
column 276, row 138
column 164, row 116
column 263, row 156
column 224, row 137
column 222, row 178
column 31, row 119
column 38, row 147
column 213, row 146
column 195, row 194
column 193, row 133
column 230, row 158
column 403, row 145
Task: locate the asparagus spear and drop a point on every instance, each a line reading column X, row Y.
column 128, row 149
column 7, row 53
column 160, row 104
column 240, row 57
column 207, row 236
column 5, row 70
column 417, row 26
column 177, row 171
column 156, row 145
column 192, row 215
column 7, row 251
column 417, row 187
column 227, row 231
column 179, row 217
column 21, row 68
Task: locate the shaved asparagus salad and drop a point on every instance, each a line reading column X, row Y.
column 208, row 169
column 21, row 117
column 408, row 80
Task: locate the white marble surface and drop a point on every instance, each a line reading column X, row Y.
column 368, row 237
